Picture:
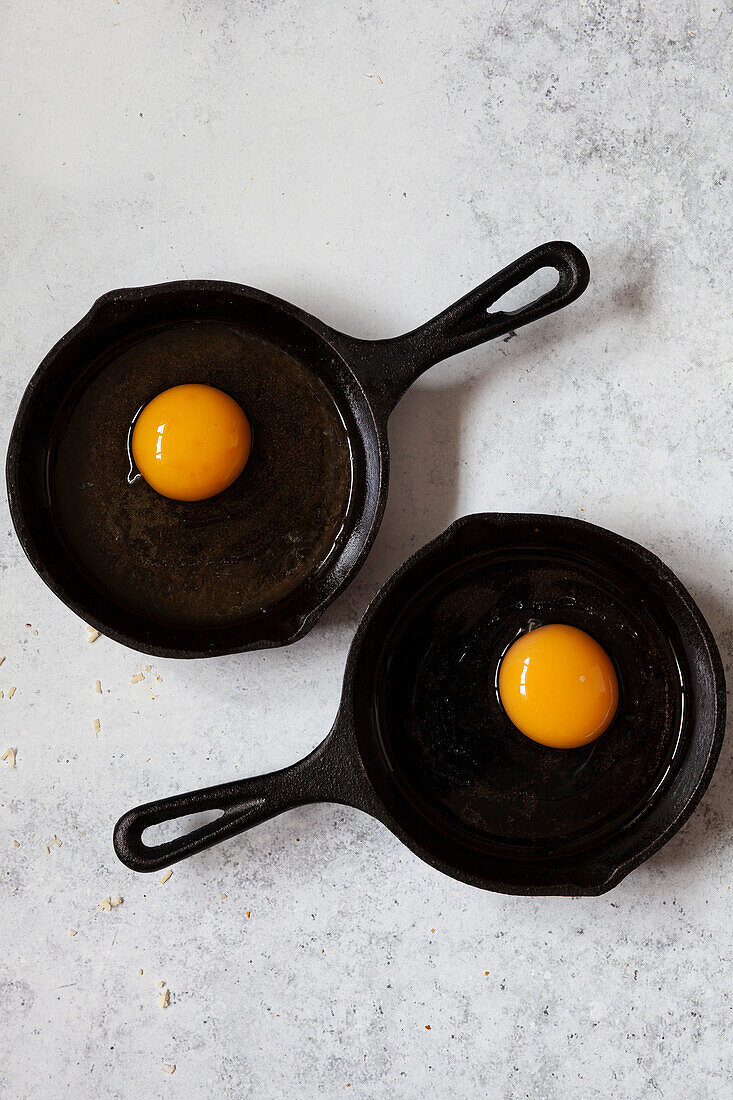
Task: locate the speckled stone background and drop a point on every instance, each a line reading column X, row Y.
column 371, row 162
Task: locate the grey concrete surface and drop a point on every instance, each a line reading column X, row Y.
column 370, row 161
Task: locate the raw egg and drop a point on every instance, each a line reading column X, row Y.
column 558, row 686
column 191, row 442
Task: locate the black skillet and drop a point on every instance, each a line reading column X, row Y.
column 257, row 565
column 422, row 744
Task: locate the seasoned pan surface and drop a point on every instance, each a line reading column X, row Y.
column 238, row 554
column 447, row 743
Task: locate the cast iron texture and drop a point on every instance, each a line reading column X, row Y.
column 256, row 566
column 420, row 741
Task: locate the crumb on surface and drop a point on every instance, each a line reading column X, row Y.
column 55, row 841
column 140, row 971
column 164, row 998
column 160, row 985
column 92, row 634
column 1, row 660
column 97, row 726
column 73, row 932
column 247, row 912
column 222, row 896
column 98, row 686
column 11, row 692
column 168, row 1069
column 15, row 844
column 10, row 755
column 110, row 903
column 137, row 678
column 165, row 876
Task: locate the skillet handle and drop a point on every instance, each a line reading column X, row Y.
column 244, row 804
column 388, row 367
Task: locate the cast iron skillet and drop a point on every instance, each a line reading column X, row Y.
column 422, row 744
column 251, row 568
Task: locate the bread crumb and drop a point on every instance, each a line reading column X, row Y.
column 11, row 692
column 247, row 912
column 164, row 877
column 148, row 668
column 137, row 678
column 54, row 840
column 222, row 896
column 98, row 686
column 428, row 1027
column 97, row 727
column 139, row 971
column 15, row 844
column 164, row 998
column 110, row 903
column 168, row 1069
column 10, row 755
column 92, row 634
column 2, row 694
column 1, row 660
column 73, row 932
column 160, row 985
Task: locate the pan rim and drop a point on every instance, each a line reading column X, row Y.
column 284, row 623
column 599, row 874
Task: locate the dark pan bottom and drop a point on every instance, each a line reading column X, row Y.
column 219, row 561
column 452, row 754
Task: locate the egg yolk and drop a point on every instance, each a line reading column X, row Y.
column 191, row 442
column 558, row 686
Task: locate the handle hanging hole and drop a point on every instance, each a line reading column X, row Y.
column 176, row 827
column 527, row 292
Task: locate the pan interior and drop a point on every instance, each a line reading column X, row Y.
column 447, row 760
column 220, row 561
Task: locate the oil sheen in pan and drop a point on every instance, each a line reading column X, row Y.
column 217, row 561
column 455, row 755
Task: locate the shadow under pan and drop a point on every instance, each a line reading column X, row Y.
column 214, row 562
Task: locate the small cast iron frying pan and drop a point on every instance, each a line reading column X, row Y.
column 256, row 565
column 422, row 744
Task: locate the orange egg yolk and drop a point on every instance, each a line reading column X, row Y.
column 558, row 686
column 191, row 442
